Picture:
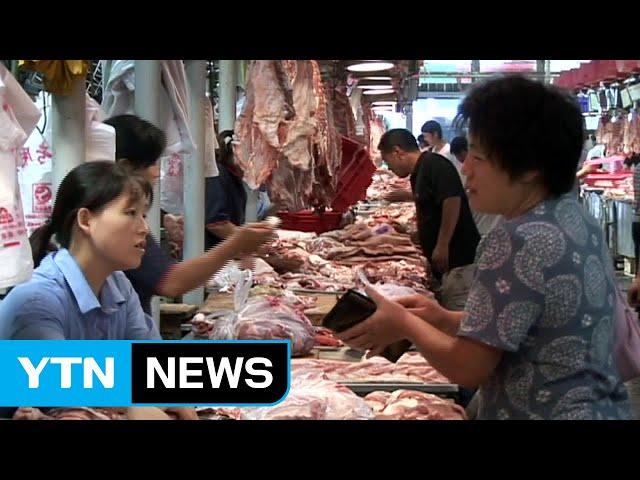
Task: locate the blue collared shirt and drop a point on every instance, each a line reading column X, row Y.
column 58, row 303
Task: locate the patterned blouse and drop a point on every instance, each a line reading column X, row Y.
column 544, row 295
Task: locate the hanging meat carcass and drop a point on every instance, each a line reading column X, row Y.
column 328, row 145
column 291, row 183
column 262, row 126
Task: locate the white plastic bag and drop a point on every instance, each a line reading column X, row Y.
column 258, row 318
column 35, row 159
column 222, row 325
column 34, row 170
column 18, row 117
column 100, row 137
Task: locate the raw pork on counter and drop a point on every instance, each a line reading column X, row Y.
column 311, row 397
column 76, row 413
column 413, row 405
column 411, row 367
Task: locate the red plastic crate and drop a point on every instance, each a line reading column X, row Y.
column 606, row 70
column 572, row 79
column 356, row 174
column 615, row 178
column 587, row 75
column 309, row 221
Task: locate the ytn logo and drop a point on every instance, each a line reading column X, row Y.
column 90, row 370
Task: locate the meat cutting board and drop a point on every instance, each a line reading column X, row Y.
column 216, row 302
column 324, row 305
column 224, row 301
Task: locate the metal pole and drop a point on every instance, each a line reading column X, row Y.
column 68, row 130
column 547, row 71
column 227, row 95
column 147, row 106
column 409, row 117
column 194, row 172
column 251, row 208
column 147, row 88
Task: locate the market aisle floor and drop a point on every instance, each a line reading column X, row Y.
column 634, row 385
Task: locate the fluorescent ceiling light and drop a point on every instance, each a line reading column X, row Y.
column 370, row 66
column 377, row 78
column 375, row 87
column 378, row 92
column 381, row 103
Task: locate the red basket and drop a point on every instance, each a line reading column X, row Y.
column 356, row 174
column 587, row 75
column 614, row 178
column 309, row 221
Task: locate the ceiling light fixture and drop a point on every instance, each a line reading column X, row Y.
column 370, row 66
column 375, row 87
column 378, row 92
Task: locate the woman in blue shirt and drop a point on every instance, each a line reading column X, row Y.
column 78, row 292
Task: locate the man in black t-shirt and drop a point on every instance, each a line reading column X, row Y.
column 446, row 229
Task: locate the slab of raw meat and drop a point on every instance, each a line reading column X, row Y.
column 413, row 405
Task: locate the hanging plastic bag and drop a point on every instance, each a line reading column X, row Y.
column 34, row 170
column 101, row 138
column 18, row 118
column 222, row 325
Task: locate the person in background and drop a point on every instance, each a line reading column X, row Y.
column 484, row 221
column 422, row 143
column 446, row 230
column 459, row 148
column 265, row 208
column 432, row 132
column 139, row 145
column 537, row 331
column 225, row 196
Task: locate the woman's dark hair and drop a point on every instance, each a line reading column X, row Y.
column 632, row 160
column 138, row 142
column 90, row 185
column 458, row 145
column 225, row 149
column 432, row 127
column 525, row 125
column 225, row 153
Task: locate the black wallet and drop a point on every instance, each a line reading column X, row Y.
column 351, row 309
